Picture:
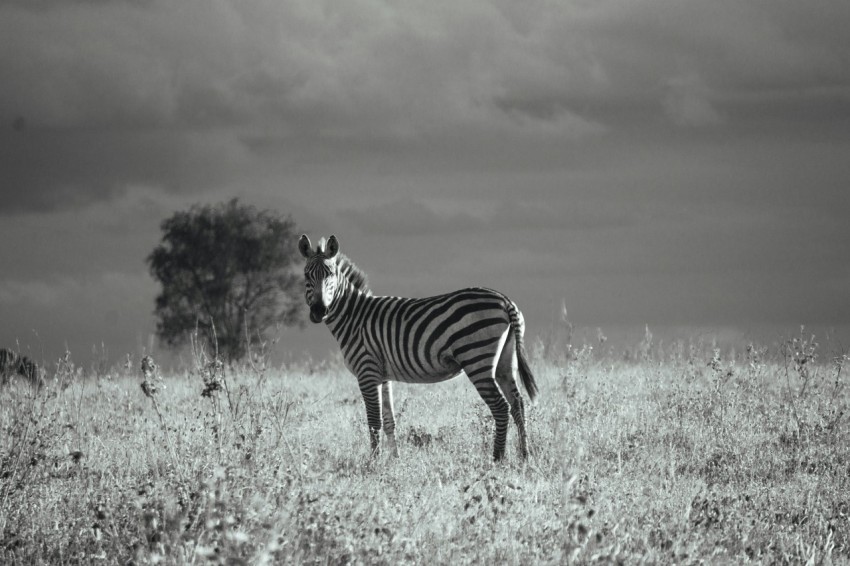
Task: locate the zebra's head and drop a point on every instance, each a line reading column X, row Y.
column 320, row 275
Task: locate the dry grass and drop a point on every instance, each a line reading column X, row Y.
column 679, row 456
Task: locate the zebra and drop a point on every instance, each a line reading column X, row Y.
column 12, row 363
column 420, row 340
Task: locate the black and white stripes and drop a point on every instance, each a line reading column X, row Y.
column 384, row 339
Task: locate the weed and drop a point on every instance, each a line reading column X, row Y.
column 683, row 455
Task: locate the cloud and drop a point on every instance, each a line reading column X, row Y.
column 97, row 96
column 408, row 217
column 65, row 290
column 33, row 292
column 687, row 104
column 558, row 212
column 106, row 236
column 565, row 212
column 324, row 69
column 52, row 170
column 363, row 68
column 100, row 95
column 76, row 311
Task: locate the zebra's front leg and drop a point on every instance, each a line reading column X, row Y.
column 371, row 392
column 389, row 416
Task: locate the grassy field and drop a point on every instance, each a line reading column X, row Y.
column 679, row 455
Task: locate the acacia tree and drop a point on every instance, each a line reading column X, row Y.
column 229, row 271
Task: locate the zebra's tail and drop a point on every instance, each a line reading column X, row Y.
column 518, row 326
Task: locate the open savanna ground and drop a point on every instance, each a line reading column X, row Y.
column 683, row 454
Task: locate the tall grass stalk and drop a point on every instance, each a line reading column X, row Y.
column 151, row 386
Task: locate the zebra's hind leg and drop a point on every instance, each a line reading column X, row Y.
column 389, row 416
column 518, row 414
column 482, row 378
column 506, row 372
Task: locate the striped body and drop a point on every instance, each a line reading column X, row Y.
column 419, row 340
column 383, row 339
column 12, row 363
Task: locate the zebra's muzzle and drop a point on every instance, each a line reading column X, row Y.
column 317, row 313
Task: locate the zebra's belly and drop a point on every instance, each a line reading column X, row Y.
column 444, row 372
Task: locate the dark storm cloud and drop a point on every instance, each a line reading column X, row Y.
column 47, row 170
column 562, row 214
column 76, row 278
column 101, row 95
column 114, row 93
column 360, row 68
column 110, row 236
column 409, row 217
column 722, row 48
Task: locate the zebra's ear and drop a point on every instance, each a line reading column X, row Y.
column 304, row 246
column 332, row 248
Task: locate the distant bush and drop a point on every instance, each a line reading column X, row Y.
column 228, row 272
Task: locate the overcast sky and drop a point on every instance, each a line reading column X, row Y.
column 661, row 162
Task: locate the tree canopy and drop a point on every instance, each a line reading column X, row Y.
column 229, row 271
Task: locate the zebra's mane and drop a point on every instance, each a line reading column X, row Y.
column 356, row 276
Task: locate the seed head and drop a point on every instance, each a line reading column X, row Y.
column 151, row 377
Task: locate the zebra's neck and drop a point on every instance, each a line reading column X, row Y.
column 346, row 298
column 343, row 299
column 352, row 289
